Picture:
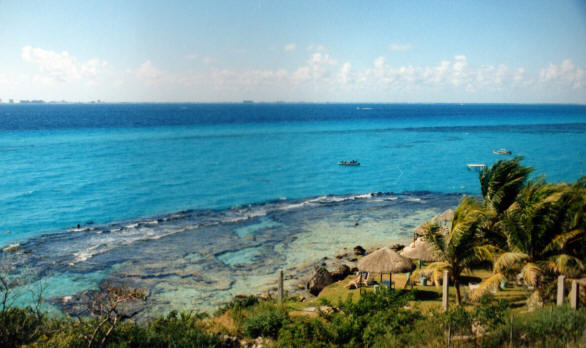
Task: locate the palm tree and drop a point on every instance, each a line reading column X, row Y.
column 502, row 182
column 462, row 245
column 542, row 229
column 500, row 186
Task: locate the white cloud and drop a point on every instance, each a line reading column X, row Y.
column 62, row 66
column 290, row 47
column 147, row 71
column 563, row 75
column 345, row 72
column 398, row 47
column 192, row 56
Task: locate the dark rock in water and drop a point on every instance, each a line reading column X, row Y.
column 397, row 247
column 354, row 269
column 341, row 256
column 353, row 259
column 87, row 303
column 358, row 250
column 340, row 273
column 320, row 278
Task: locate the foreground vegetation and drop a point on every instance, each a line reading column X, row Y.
column 385, row 319
column 524, row 231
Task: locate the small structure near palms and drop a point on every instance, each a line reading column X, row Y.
column 421, row 250
column 385, row 260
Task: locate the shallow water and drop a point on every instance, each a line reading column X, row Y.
column 200, row 259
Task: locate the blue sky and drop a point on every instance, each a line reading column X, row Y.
column 317, row 51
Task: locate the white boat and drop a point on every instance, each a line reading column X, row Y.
column 477, row 166
column 349, row 163
column 502, row 151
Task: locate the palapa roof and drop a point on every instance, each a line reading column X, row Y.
column 420, row 250
column 419, row 231
column 446, row 216
column 385, row 260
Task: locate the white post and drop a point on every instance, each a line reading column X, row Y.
column 575, row 295
column 561, row 288
column 445, row 291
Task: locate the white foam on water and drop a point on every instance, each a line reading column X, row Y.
column 11, row 247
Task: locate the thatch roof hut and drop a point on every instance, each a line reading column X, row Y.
column 419, row 231
column 420, row 250
column 446, row 217
column 385, row 260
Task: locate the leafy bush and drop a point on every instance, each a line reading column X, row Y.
column 19, row 326
column 238, row 303
column 266, row 321
column 304, row 333
column 554, row 327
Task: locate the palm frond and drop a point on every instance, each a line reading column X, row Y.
column 508, row 260
column 559, row 242
column 531, row 273
column 487, row 285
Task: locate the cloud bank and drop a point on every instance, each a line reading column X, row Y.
column 321, row 77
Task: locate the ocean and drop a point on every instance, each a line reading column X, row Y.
column 199, row 202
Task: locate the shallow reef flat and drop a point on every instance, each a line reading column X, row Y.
column 199, row 259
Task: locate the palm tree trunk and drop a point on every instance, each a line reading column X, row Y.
column 457, row 286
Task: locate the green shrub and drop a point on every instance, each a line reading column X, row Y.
column 19, row 326
column 304, row 333
column 266, row 321
column 554, row 327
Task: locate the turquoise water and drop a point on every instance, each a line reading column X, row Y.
column 198, row 203
column 52, row 179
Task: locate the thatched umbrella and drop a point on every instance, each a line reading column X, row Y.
column 447, row 216
column 385, row 260
column 419, row 231
column 420, row 250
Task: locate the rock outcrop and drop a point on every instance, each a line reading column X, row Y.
column 320, row 278
column 359, row 250
column 340, row 273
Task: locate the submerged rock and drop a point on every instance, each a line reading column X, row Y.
column 320, row 278
column 397, row 247
column 359, row 250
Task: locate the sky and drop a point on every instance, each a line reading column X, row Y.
column 294, row 51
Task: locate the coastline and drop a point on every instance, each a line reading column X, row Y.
column 202, row 259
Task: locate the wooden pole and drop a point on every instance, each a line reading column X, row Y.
column 511, row 334
column 575, row 295
column 445, row 290
column 561, row 286
column 281, row 291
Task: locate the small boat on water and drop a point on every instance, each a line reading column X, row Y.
column 349, row 163
column 502, row 151
column 476, row 166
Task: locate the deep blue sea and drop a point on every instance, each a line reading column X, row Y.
column 200, row 202
column 63, row 165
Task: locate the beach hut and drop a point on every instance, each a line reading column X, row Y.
column 419, row 231
column 445, row 220
column 446, row 217
column 420, row 250
column 385, row 260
